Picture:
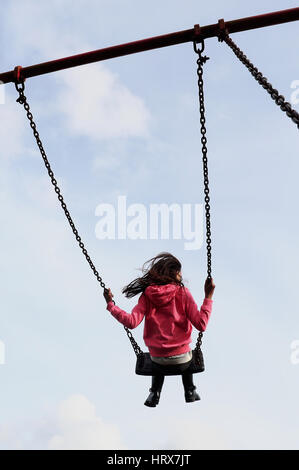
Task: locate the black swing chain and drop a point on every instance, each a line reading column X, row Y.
column 200, row 62
column 279, row 99
column 20, row 86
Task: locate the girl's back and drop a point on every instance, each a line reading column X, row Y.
column 170, row 313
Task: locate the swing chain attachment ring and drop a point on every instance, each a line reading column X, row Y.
column 198, row 40
column 19, row 82
column 222, row 30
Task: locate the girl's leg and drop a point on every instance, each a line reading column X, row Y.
column 154, row 397
column 157, row 383
column 189, row 387
column 187, row 381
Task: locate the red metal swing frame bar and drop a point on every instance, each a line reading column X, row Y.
column 179, row 37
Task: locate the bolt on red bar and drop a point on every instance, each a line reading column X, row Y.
column 180, row 37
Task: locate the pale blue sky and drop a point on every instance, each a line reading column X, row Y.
column 130, row 126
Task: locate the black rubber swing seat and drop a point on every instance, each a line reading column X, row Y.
column 145, row 366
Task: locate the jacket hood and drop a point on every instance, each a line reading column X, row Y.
column 161, row 295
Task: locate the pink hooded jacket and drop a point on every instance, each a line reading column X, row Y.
column 169, row 311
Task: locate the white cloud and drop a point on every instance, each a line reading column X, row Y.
column 92, row 99
column 80, row 428
column 97, row 105
column 74, row 426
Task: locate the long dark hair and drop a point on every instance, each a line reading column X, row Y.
column 162, row 269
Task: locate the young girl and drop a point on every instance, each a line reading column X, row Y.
column 169, row 311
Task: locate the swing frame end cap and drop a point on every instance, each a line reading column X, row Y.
column 222, row 30
column 18, row 77
column 197, row 33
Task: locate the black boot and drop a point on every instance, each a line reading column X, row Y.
column 189, row 388
column 154, row 397
column 191, row 395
